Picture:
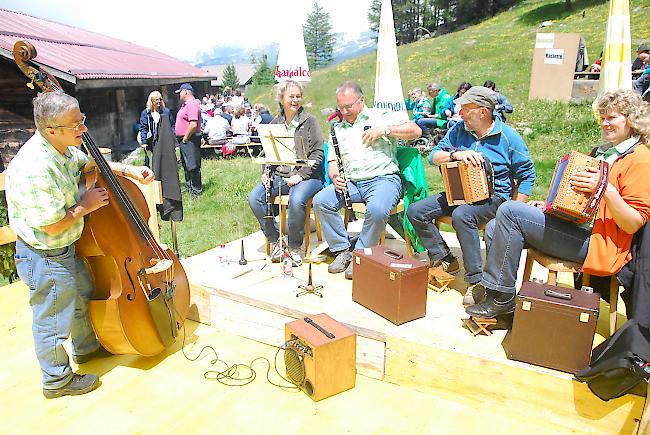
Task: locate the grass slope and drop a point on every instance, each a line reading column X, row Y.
column 499, row 49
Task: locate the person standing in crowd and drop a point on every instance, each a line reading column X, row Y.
column 237, row 100
column 188, row 131
column 478, row 137
column 602, row 249
column 46, row 211
column 149, row 122
column 367, row 140
column 503, row 106
column 300, row 182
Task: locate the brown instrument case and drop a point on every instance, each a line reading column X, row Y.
column 554, row 326
column 390, row 284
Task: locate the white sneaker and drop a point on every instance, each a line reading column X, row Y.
column 296, row 256
column 276, row 252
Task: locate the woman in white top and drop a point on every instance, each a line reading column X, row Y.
column 241, row 124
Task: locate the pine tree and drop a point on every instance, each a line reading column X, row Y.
column 264, row 74
column 319, row 39
column 230, row 78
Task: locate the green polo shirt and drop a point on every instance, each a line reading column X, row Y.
column 41, row 184
column 364, row 161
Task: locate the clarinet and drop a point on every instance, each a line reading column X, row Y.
column 267, row 192
column 339, row 161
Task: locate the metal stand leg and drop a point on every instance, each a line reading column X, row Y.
column 310, row 288
column 174, row 239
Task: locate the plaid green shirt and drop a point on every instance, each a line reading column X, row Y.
column 41, row 184
column 610, row 154
column 364, row 161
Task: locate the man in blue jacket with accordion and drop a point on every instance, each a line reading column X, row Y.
column 478, row 139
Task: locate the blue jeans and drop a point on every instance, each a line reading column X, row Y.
column 380, row 194
column 299, row 194
column 59, row 286
column 426, row 124
column 465, row 219
column 519, row 225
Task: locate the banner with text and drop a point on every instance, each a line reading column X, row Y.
column 292, row 57
column 388, row 84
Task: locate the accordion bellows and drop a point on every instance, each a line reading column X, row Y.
column 566, row 203
column 466, row 183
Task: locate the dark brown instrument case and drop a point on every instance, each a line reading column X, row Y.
column 390, row 284
column 554, row 326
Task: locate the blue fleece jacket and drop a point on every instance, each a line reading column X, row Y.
column 503, row 147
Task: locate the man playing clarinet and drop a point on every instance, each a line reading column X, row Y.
column 367, row 142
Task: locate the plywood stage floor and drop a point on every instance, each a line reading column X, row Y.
column 434, row 354
column 424, row 377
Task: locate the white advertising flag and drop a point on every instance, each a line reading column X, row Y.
column 388, row 84
column 292, row 57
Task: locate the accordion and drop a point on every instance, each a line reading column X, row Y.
column 466, row 183
column 566, row 203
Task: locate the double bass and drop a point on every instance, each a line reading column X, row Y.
column 141, row 292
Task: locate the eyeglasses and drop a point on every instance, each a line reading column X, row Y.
column 75, row 128
column 348, row 106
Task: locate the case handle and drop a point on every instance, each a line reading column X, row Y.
column 393, row 254
column 554, row 294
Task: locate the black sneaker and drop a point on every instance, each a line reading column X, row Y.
column 451, row 267
column 99, row 353
column 79, row 384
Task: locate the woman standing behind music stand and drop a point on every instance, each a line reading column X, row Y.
column 301, row 183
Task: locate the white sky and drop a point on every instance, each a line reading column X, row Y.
column 156, row 24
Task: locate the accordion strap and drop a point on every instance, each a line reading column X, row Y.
column 489, row 173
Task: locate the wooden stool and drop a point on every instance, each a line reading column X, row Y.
column 439, row 279
column 360, row 207
column 478, row 325
column 283, row 202
column 555, row 265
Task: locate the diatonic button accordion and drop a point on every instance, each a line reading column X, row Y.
column 563, row 201
column 466, row 183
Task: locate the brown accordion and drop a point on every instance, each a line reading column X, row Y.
column 466, row 183
column 566, row 203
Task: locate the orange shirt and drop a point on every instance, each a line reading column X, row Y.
column 609, row 245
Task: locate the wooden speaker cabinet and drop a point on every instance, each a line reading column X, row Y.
column 320, row 356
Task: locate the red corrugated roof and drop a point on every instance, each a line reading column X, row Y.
column 88, row 55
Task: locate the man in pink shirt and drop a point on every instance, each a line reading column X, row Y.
column 188, row 132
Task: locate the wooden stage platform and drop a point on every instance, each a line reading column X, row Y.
column 435, row 354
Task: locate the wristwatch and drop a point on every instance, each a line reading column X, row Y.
column 387, row 131
column 451, row 156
